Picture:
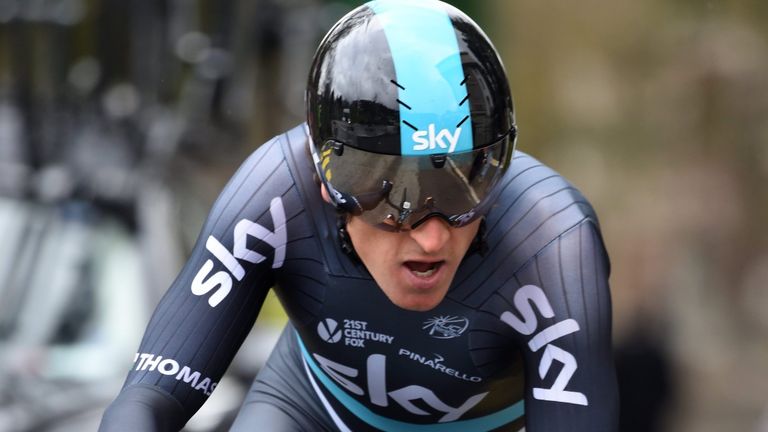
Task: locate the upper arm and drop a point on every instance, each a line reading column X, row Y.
column 562, row 313
column 207, row 312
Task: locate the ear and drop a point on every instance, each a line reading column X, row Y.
column 324, row 194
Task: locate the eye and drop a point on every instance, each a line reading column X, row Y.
column 390, row 224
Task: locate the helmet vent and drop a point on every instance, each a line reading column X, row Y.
column 403, row 104
column 411, row 126
column 395, row 83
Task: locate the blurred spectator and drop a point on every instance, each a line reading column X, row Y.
column 646, row 386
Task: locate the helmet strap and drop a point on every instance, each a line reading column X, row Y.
column 479, row 244
column 345, row 242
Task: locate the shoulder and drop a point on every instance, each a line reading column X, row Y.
column 277, row 150
column 532, row 185
column 536, row 206
column 265, row 179
column 269, row 169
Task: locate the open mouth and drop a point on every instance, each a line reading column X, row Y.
column 423, row 269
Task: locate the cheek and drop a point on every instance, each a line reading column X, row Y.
column 467, row 239
column 464, row 236
column 381, row 251
column 377, row 249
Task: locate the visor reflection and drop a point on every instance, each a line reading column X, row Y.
column 400, row 191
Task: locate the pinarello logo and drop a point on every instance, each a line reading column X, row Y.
column 329, row 330
column 446, row 326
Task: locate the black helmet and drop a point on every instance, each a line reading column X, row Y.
column 410, row 114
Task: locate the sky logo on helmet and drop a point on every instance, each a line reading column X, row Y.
column 430, row 80
column 431, row 140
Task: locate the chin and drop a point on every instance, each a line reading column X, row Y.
column 417, row 303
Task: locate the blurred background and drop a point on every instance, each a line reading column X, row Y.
column 120, row 121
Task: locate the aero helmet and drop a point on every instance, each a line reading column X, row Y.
column 410, row 114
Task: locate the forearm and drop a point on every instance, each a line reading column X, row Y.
column 143, row 408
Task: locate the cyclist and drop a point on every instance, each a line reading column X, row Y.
column 450, row 285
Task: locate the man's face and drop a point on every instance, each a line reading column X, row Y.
column 414, row 268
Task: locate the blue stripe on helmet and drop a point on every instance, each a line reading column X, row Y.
column 434, row 109
column 489, row 422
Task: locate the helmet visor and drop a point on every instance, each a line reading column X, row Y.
column 397, row 191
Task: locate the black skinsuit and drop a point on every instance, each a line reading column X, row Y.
column 522, row 338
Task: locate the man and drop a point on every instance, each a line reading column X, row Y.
column 441, row 290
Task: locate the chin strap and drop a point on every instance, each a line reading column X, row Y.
column 479, row 245
column 344, row 241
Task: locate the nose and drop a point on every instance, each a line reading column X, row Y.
column 431, row 235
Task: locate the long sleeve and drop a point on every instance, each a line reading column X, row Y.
column 563, row 310
column 207, row 312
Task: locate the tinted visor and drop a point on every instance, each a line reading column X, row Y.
column 395, row 191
